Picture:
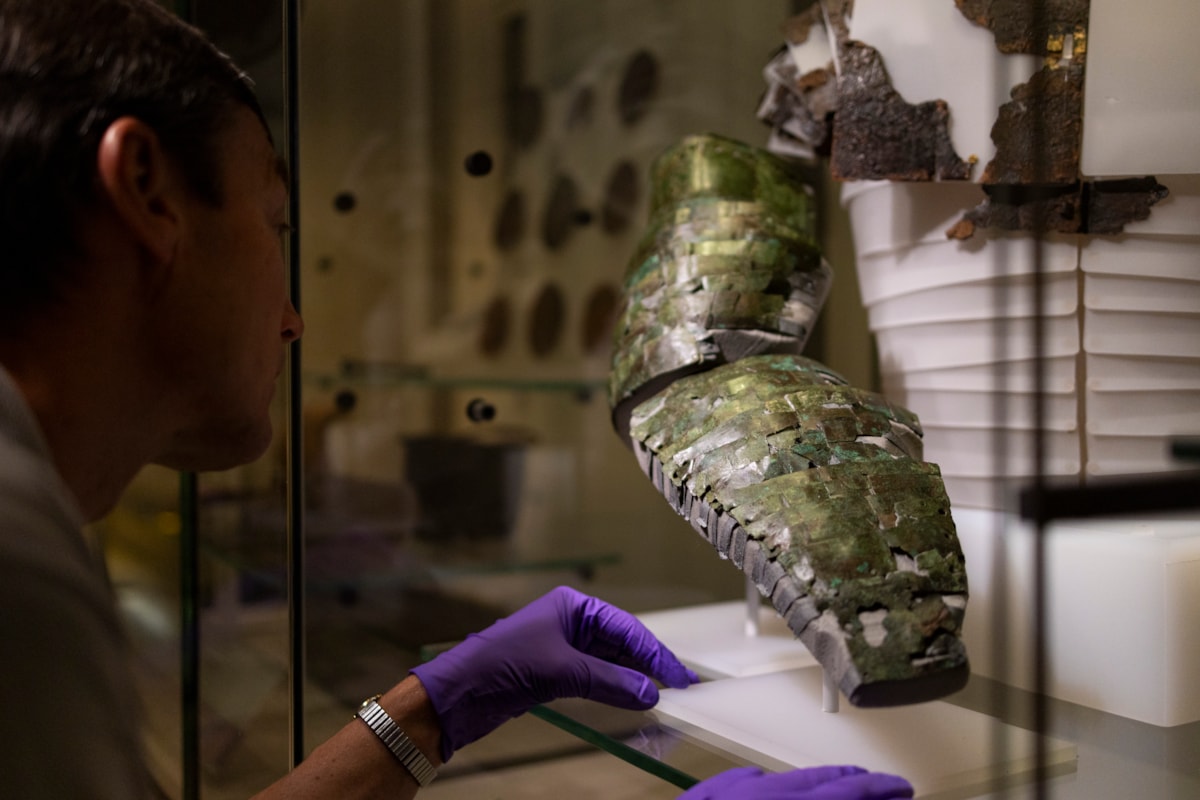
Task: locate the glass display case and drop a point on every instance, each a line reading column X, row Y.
column 471, row 179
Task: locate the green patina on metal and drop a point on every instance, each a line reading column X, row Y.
column 826, row 478
column 740, row 386
column 767, row 426
column 816, row 489
column 729, row 170
column 708, row 219
column 730, row 247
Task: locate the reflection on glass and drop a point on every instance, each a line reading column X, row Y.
column 430, row 285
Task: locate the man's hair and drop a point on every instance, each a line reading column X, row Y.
column 68, row 69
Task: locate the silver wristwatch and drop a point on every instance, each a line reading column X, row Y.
column 396, row 740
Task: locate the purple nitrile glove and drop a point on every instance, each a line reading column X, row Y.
column 564, row 644
column 813, row 783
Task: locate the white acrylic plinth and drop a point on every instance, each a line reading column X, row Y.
column 1140, row 111
column 776, row 721
column 712, row 640
column 1122, row 610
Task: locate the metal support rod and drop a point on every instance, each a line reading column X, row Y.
column 295, row 450
column 189, row 600
column 1041, row 666
column 830, row 696
column 189, row 635
column 752, row 604
column 1118, row 494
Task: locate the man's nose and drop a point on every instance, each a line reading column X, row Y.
column 293, row 324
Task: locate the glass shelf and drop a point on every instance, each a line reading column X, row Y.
column 639, row 740
column 390, row 375
column 635, row 737
column 260, row 564
column 1116, row 757
column 375, row 553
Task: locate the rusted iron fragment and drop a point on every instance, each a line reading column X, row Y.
column 1033, row 182
column 1038, row 133
column 836, row 13
column 798, row 27
column 1093, row 207
column 799, row 106
column 877, row 135
column 817, row 491
column 853, row 114
column 1024, row 208
column 1114, row 204
column 1020, row 28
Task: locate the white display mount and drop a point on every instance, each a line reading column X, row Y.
column 729, row 640
column 765, row 700
column 1122, row 610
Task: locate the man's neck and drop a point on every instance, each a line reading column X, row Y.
column 86, row 409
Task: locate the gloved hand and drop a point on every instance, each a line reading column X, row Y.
column 814, row 783
column 564, row 644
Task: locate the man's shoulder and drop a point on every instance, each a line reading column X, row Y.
column 65, row 655
column 38, row 523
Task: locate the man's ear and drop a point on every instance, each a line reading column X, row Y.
column 139, row 181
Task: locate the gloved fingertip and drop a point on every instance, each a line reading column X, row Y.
column 638, row 693
column 671, row 671
column 648, row 694
column 680, row 678
column 892, row 787
column 875, row 786
column 847, row 770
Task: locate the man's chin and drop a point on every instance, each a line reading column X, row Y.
column 216, row 453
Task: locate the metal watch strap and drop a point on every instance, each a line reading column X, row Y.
column 396, row 740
